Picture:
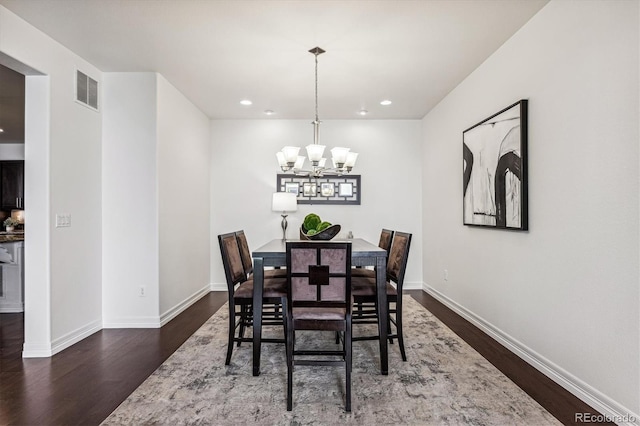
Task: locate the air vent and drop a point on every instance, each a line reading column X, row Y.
column 86, row 90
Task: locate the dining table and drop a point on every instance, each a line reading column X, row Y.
column 363, row 253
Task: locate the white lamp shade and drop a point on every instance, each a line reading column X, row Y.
column 322, row 162
column 339, row 155
column 299, row 163
column 290, row 153
column 351, row 159
column 284, row 202
column 281, row 160
column 315, row 152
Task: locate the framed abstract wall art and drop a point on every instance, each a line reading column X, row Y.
column 494, row 158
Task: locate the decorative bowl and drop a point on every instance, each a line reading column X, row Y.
column 325, row 234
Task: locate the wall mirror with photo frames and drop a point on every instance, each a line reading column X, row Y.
column 322, row 190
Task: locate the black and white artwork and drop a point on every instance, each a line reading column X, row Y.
column 495, row 170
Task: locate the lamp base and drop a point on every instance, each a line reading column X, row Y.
column 284, row 227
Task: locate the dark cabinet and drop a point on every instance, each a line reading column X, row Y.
column 12, row 185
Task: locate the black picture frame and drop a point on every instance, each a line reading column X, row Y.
column 494, row 170
column 311, row 188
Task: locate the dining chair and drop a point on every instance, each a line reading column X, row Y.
column 318, row 298
column 240, row 295
column 386, row 236
column 247, row 261
column 364, row 291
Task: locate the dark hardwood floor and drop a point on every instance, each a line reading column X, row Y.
column 553, row 397
column 83, row 384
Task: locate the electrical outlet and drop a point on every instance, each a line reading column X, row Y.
column 446, row 275
column 142, row 292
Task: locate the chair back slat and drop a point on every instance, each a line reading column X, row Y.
column 386, row 236
column 398, row 256
column 245, row 253
column 231, row 260
column 319, row 274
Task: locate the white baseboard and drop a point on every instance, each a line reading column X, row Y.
column 133, row 322
column 180, row 307
column 159, row 321
column 218, row 286
column 611, row 410
column 61, row 343
column 45, row 350
column 414, row 285
column 75, row 336
column 30, row 350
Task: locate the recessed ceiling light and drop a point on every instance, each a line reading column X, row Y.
column 385, row 102
column 269, row 112
column 246, row 102
column 1, row 130
column 363, row 112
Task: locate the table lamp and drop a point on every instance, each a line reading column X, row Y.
column 284, row 202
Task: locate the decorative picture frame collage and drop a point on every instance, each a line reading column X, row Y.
column 322, row 190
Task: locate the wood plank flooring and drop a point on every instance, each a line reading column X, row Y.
column 83, row 384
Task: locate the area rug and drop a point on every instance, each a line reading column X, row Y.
column 443, row 382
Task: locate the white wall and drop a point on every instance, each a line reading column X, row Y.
column 183, row 199
column 130, row 243
column 69, row 171
column 565, row 293
column 244, row 169
column 156, row 198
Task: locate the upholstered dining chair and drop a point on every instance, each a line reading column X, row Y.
column 364, row 291
column 247, row 261
column 240, row 295
column 386, row 236
column 318, row 298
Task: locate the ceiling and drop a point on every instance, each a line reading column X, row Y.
column 218, row 52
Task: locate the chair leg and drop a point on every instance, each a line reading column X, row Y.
column 348, row 360
column 399, row 327
column 290, row 343
column 389, row 324
column 232, row 330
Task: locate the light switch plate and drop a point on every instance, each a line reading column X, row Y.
column 63, row 220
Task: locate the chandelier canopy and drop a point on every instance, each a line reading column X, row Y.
column 343, row 160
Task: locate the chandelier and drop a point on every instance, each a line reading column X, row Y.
column 343, row 160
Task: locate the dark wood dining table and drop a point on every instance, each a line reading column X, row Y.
column 363, row 253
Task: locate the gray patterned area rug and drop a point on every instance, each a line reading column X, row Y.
column 443, row 382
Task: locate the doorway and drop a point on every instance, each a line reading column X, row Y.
column 34, row 326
